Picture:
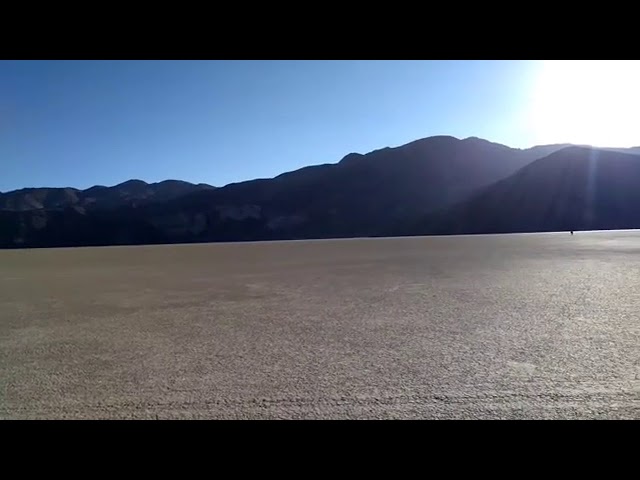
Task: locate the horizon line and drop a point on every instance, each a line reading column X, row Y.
column 472, row 137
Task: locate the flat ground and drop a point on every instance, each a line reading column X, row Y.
column 504, row 326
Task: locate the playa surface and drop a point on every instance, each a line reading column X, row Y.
column 496, row 326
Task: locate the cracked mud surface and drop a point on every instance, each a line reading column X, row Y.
column 504, row 326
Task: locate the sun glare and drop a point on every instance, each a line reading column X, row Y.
column 594, row 102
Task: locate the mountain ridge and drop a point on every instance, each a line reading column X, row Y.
column 576, row 188
column 127, row 192
column 417, row 188
column 355, row 154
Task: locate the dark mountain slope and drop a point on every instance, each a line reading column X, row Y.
column 37, row 198
column 129, row 193
column 573, row 189
column 73, row 227
column 359, row 196
column 356, row 197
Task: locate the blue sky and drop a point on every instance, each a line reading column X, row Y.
column 81, row 123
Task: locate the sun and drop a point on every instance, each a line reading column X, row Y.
column 593, row 102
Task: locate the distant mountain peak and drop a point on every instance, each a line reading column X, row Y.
column 132, row 182
column 172, row 180
column 436, row 138
column 441, row 137
column 350, row 157
column 454, row 185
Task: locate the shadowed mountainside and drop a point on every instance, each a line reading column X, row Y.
column 355, row 197
column 130, row 193
column 437, row 185
column 576, row 188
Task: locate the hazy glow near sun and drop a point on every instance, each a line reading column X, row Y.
column 595, row 102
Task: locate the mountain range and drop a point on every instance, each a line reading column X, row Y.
column 436, row 185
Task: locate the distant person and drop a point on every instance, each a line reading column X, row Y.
column 571, row 232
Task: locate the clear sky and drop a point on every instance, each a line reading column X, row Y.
column 81, row 123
